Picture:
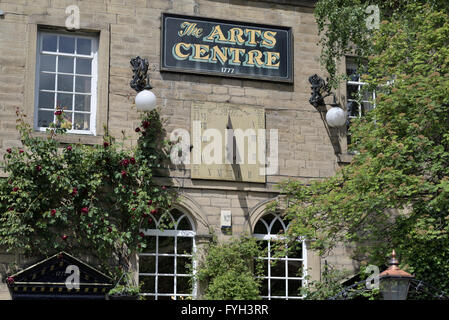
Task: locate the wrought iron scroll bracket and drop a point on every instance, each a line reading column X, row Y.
column 141, row 79
column 319, row 87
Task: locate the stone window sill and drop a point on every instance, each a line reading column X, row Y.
column 73, row 138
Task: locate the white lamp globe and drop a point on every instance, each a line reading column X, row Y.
column 336, row 117
column 145, row 100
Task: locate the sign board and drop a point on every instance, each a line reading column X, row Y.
column 226, row 48
column 226, row 219
column 216, row 154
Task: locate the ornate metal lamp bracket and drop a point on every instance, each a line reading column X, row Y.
column 319, row 87
column 141, row 79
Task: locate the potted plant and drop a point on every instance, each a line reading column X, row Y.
column 126, row 290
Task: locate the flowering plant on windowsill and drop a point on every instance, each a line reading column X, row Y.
column 83, row 199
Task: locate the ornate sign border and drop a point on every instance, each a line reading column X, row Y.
column 288, row 50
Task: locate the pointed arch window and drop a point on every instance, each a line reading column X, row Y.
column 283, row 276
column 163, row 264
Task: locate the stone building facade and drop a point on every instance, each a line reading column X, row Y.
column 124, row 29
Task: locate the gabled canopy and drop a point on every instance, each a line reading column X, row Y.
column 55, row 278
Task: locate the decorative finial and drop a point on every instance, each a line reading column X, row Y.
column 394, row 263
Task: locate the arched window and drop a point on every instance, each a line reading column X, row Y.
column 283, row 276
column 163, row 271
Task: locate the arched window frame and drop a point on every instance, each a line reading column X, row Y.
column 157, row 232
column 269, row 237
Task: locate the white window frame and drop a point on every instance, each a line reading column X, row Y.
column 171, row 233
column 94, row 78
column 273, row 237
column 359, row 85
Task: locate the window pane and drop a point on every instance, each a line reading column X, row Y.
column 183, row 285
column 260, row 228
column 82, row 84
column 64, row 101
column 275, row 247
column 367, row 95
column 65, row 64
column 84, row 46
column 277, row 227
column 83, row 66
column 82, row 102
column 45, row 118
column 263, row 245
column 264, row 263
column 268, row 218
column 277, row 268
column 277, row 287
column 367, row 106
column 184, row 245
column 166, row 265
column 264, row 288
column 176, row 214
column 67, row 116
column 49, row 43
column 181, row 265
column 66, row 44
column 293, row 288
column 352, row 91
column 47, row 81
column 150, row 221
column 167, row 222
column 65, row 83
column 294, row 268
column 353, row 109
column 184, row 224
column 147, row 264
column 81, row 121
column 165, row 285
column 47, row 63
column 296, row 251
column 151, row 244
column 353, row 75
column 166, row 245
column 147, row 284
column 47, row 100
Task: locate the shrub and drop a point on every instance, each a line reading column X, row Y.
column 229, row 270
column 88, row 200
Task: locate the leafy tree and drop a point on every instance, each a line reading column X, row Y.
column 229, row 270
column 330, row 285
column 343, row 27
column 87, row 200
column 395, row 192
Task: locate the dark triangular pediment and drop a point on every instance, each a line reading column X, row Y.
column 55, row 277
